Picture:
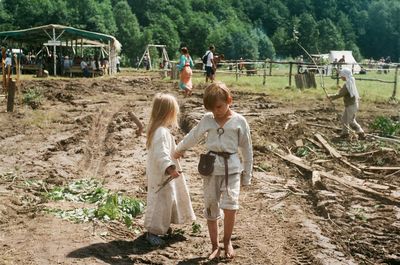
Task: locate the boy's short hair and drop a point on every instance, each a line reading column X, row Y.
column 212, row 47
column 214, row 92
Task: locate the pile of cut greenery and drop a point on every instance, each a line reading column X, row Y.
column 108, row 205
column 385, row 126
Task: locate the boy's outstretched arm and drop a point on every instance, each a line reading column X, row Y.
column 192, row 138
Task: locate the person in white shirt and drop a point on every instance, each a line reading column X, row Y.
column 227, row 132
column 210, row 65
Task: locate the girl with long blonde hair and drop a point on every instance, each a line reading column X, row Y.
column 168, row 198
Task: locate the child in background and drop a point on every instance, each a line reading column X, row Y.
column 171, row 203
column 226, row 132
column 351, row 97
column 185, row 69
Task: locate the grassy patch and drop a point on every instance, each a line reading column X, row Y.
column 33, row 97
column 385, row 126
column 277, row 86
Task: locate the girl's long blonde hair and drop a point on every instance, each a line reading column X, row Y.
column 164, row 112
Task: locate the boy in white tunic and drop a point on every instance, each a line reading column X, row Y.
column 170, row 203
column 351, row 97
column 226, row 133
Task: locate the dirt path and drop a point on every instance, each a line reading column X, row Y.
column 83, row 130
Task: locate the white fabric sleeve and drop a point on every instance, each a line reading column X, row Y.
column 246, row 149
column 162, row 152
column 193, row 137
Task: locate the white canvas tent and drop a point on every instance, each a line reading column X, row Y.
column 350, row 62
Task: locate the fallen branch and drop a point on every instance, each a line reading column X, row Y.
column 380, row 168
column 383, row 138
column 295, row 160
column 335, row 153
column 324, row 126
column 367, row 153
column 392, row 174
column 357, row 186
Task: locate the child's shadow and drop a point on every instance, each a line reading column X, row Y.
column 119, row 251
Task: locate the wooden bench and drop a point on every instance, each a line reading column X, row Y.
column 29, row 68
column 76, row 69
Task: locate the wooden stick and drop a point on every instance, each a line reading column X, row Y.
column 380, row 168
column 323, row 126
column 335, row 153
column 358, row 187
column 383, row 138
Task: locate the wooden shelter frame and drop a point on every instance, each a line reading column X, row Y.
column 147, row 51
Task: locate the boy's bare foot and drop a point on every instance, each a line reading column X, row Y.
column 215, row 254
column 229, row 252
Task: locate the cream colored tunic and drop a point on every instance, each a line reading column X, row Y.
column 172, row 203
column 235, row 137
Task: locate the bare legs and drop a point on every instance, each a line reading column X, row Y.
column 229, row 222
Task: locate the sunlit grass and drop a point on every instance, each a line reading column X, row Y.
column 278, row 86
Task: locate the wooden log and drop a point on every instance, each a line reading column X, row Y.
column 314, row 142
column 380, row 168
column 335, row 153
column 11, row 95
column 383, row 138
column 357, row 186
column 295, row 160
column 327, row 146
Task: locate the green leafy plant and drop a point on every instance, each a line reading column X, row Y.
column 302, row 151
column 85, row 190
column 196, row 228
column 33, row 98
column 110, row 206
column 385, row 126
column 118, row 207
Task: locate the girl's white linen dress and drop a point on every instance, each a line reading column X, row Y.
column 172, row 203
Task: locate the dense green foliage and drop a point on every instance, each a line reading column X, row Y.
column 250, row 29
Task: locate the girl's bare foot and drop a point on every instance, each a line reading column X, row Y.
column 229, row 252
column 215, row 254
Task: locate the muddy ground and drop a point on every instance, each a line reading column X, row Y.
column 83, row 130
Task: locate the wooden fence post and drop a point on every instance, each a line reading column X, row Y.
column 174, row 71
column 11, row 95
column 396, row 73
column 270, row 68
column 237, row 71
column 290, row 73
column 265, row 73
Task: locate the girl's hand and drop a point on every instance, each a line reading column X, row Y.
column 171, row 170
column 177, row 155
column 174, row 173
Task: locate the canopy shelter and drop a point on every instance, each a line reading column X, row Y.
column 63, row 36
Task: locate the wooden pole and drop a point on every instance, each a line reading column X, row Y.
column 54, row 53
column 290, row 73
column 265, row 73
column 3, row 63
column 270, row 69
column 11, row 95
column 237, row 71
column 396, row 73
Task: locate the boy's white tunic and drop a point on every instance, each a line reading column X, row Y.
column 172, row 203
column 235, row 136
